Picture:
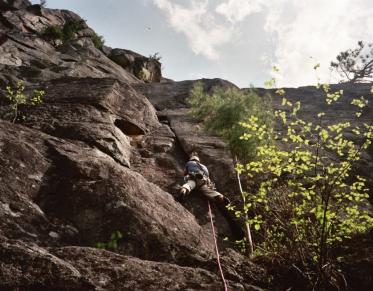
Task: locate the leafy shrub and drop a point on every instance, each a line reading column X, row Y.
column 112, row 243
column 70, row 28
column 156, row 57
column 307, row 200
column 53, row 32
column 223, row 111
column 98, row 41
column 145, row 75
column 66, row 33
column 17, row 97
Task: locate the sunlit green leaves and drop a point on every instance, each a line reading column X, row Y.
column 280, row 92
column 360, row 103
column 306, row 196
column 303, row 197
column 241, row 117
column 16, row 96
column 112, row 243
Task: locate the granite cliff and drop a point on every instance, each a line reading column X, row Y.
column 104, row 152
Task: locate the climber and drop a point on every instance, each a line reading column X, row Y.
column 196, row 176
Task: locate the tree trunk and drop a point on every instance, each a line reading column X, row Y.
column 248, row 231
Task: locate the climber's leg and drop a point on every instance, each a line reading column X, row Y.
column 213, row 195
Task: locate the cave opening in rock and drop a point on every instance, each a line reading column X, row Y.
column 163, row 119
column 128, row 128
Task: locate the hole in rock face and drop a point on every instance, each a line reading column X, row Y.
column 128, row 128
column 163, row 119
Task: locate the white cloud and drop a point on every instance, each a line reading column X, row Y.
column 237, row 10
column 297, row 29
column 319, row 29
column 204, row 34
column 301, row 29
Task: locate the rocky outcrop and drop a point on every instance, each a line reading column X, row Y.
column 83, row 268
column 26, row 55
column 56, row 192
column 29, row 53
column 103, row 113
column 146, row 69
column 13, row 4
column 78, row 184
column 43, row 271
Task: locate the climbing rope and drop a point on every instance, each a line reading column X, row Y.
column 216, row 249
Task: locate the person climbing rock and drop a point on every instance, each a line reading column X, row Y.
column 196, row 176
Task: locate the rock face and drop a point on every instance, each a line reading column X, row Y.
column 25, row 54
column 59, row 193
column 103, row 153
column 146, row 69
column 82, row 186
column 95, row 158
column 91, row 110
column 14, row 4
column 169, row 99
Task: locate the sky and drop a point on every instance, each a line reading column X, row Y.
column 237, row 40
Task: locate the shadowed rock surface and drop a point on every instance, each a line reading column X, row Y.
column 57, row 193
column 105, row 152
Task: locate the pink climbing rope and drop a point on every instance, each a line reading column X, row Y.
column 216, row 249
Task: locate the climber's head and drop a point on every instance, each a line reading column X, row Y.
column 194, row 158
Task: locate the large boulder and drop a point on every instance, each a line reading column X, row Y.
column 55, row 190
column 100, row 112
column 59, row 193
column 13, row 4
column 116, row 272
column 146, row 69
column 26, row 266
column 27, row 54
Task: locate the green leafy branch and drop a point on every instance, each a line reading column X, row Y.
column 112, row 243
column 307, row 197
column 16, row 96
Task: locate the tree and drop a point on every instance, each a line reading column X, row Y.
column 307, row 200
column 17, row 97
column 155, row 57
column 98, row 41
column 355, row 65
column 222, row 111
